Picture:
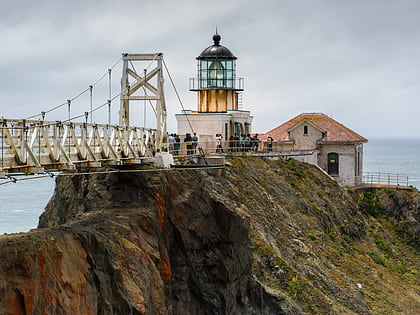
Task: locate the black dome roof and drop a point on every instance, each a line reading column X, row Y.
column 216, row 51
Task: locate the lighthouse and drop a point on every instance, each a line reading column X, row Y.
column 219, row 96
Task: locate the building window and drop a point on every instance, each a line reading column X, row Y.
column 216, row 73
column 333, row 163
column 305, row 130
column 247, row 131
column 358, row 164
column 238, row 129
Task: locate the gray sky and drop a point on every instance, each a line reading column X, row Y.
column 355, row 60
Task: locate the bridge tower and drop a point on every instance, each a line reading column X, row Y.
column 146, row 86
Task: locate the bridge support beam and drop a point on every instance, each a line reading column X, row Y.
column 148, row 87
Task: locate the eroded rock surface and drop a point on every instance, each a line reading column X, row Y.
column 266, row 237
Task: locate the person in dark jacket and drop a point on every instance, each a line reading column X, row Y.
column 189, row 143
column 270, row 141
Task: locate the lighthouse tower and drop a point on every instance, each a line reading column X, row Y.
column 218, row 97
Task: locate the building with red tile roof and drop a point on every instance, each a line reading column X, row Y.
column 336, row 149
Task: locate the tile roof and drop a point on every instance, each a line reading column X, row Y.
column 336, row 132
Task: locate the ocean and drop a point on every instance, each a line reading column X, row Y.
column 22, row 203
column 396, row 156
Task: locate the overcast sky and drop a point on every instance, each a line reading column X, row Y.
column 355, row 60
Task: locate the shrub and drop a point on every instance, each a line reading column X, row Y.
column 368, row 202
column 375, row 257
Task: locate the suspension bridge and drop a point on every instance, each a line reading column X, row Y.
column 35, row 146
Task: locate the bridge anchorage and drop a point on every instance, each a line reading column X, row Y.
column 29, row 146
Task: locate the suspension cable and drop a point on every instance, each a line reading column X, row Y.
column 177, row 95
column 78, row 95
column 14, row 179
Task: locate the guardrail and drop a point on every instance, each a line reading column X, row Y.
column 255, row 148
column 197, row 84
column 210, row 147
column 385, row 179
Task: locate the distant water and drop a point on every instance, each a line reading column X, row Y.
column 398, row 156
column 22, row 203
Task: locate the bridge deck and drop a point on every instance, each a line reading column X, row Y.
column 36, row 146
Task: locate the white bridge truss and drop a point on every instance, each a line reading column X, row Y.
column 38, row 146
column 146, row 86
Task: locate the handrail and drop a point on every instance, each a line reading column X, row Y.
column 236, row 147
column 385, row 178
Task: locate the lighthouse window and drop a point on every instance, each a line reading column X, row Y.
column 217, row 76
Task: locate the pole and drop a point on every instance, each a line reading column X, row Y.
column 145, row 101
column 109, row 96
column 91, row 102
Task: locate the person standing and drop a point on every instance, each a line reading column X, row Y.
column 195, row 143
column 177, row 145
column 171, row 140
column 219, row 148
column 270, row 141
column 255, row 142
column 231, row 144
column 189, row 143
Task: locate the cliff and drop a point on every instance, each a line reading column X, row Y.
column 265, row 237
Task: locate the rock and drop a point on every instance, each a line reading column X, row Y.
column 186, row 242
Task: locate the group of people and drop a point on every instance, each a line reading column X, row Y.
column 174, row 143
column 244, row 143
column 191, row 143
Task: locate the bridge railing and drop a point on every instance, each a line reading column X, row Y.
column 33, row 145
column 385, row 179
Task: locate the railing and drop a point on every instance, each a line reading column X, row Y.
column 197, row 84
column 255, row 148
column 385, row 179
column 32, row 146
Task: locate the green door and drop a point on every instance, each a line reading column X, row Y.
column 333, row 163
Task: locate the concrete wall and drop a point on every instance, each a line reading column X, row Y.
column 207, row 125
column 305, row 141
column 350, row 156
column 310, row 159
column 349, row 168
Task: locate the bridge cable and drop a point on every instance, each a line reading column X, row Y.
column 94, row 109
column 177, row 95
column 78, row 95
column 15, row 180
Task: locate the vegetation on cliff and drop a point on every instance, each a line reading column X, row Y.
column 265, row 237
column 332, row 251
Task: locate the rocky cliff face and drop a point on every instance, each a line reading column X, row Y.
column 265, row 237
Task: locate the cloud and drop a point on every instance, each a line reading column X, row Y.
column 356, row 60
